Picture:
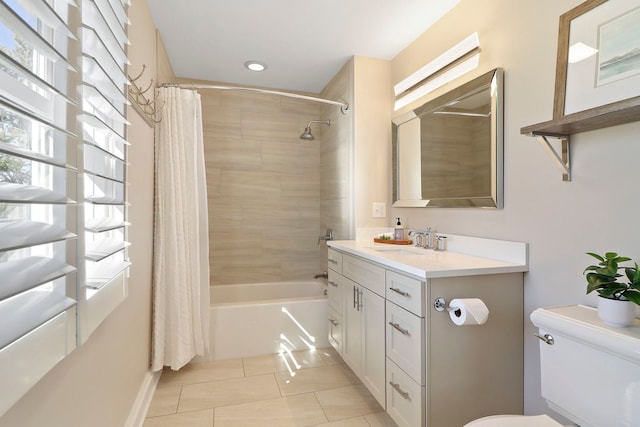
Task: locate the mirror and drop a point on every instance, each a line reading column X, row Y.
column 448, row 152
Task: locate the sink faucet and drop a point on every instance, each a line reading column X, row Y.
column 423, row 238
column 323, row 275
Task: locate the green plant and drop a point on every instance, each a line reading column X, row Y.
column 603, row 278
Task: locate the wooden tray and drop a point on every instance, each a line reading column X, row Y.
column 393, row 242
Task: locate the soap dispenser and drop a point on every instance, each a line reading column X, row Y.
column 398, row 231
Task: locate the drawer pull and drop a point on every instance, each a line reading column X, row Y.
column 398, row 291
column 396, row 326
column 332, row 283
column 332, row 261
column 401, row 392
column 333, row 322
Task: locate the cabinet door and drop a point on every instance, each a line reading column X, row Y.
column 372, row 309
column 352, row 331
column 334, row 291
column 335, row 330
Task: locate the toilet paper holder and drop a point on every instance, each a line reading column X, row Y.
column 440, row 304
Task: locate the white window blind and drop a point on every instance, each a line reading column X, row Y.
column 63, row 151
column 38, row 193
column 104, row 101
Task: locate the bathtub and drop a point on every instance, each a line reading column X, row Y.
column 265, row 318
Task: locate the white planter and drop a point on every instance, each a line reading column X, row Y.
column 616, row 313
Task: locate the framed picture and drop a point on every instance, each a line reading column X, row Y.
column 598, row 56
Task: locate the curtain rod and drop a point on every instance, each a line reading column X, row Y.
column 344, row 107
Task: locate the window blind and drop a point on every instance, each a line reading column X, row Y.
column 104, row 101
column 63, row 152
column 38, row 193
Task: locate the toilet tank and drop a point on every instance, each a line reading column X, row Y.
column 591, row 372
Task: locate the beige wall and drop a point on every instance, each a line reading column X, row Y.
column 263, row 187
column 560, row 220
column 372, row 139
column 336, row 158
column 98, row 383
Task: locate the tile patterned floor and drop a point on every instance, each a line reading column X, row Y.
column 261, row 391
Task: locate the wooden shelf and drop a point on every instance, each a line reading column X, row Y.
column 617, row 113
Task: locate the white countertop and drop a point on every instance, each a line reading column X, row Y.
column 465, row 256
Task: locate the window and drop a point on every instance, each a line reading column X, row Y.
column 63, row 222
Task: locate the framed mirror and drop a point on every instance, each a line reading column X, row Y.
column 448, row 152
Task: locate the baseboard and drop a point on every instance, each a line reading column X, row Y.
column 143, row 400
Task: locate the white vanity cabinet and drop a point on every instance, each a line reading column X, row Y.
column 335, row 299
column 424, row 370
column 364, row 315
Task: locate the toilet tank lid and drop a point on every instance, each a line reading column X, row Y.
column 581, row 323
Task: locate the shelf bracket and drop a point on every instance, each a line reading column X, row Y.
column 562, row 159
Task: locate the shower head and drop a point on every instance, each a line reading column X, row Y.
column 307, row 135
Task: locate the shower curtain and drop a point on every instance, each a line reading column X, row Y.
column 181, row 236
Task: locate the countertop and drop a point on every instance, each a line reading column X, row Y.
column 465, row 256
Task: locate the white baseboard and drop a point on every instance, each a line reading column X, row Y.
column 143, row 400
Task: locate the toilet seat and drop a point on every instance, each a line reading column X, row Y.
column 514, row 421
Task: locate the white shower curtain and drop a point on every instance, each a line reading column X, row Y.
column 181, row 235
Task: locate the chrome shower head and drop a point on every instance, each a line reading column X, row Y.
column 307, row 135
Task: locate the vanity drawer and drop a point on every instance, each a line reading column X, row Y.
column 334, row 291
column 405, row 291
column 405, row 398
column 334, row 260
column 364, row 273
column 405, row 338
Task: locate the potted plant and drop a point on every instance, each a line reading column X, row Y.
column 617, row 299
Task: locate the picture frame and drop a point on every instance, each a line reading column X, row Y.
column 605, row 75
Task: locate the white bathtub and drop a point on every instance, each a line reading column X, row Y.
column 260, row 318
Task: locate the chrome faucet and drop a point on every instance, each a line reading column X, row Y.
column 327, row 236
column 423, row 238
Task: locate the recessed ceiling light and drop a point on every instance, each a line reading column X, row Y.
column 255, row 65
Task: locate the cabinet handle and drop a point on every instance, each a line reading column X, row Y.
column 333, row 322
column 360, row 292
column 332, row 283
column 355, row 304
column 398, row 291
column 396, row 326
column 401, row 392
column 332, row 261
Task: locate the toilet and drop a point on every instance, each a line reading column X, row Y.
column 590, row 372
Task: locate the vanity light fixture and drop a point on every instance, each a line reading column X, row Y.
column 255, row 65
column 428, row 71
column 441, row 80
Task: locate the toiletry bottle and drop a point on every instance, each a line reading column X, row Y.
column 398, row 231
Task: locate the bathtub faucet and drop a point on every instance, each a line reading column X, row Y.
column 328, row 235
column 324, row 275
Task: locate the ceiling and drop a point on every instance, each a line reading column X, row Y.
column 304, row 43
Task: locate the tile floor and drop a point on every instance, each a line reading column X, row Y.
column 261, row 391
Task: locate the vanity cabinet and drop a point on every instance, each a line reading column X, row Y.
column 335, row 299
column 422, row 368
column 364, row 315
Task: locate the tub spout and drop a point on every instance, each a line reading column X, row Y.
column 323, row 275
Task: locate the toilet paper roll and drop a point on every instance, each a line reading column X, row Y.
column 469, row 311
